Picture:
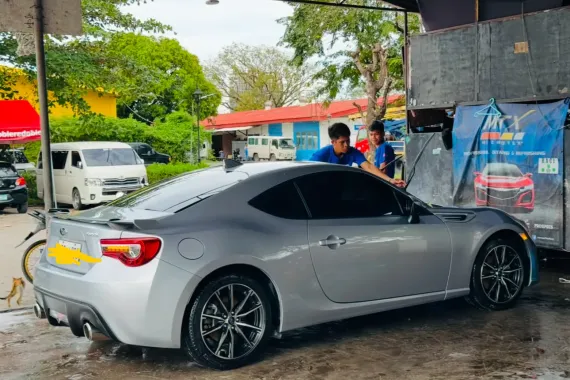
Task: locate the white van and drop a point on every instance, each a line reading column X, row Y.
column 271, row 148
column 91, row 173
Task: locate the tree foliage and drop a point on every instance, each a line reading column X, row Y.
column 152, row 76
column 249, row 76
column 176, row 135
column 355, row 47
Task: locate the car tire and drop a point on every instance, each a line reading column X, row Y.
column 498, row 276
column 255, row 157
column 22, row 208
column 244, row 337
column 76, row 200
column 272, row 157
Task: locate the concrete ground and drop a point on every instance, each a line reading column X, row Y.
column 14, row 228
column 448, row 340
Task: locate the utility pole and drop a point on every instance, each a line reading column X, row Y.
column 198, row 99
column 43, row 98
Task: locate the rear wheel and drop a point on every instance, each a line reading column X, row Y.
column 22, row 208
column 229, row 323
column 255, row 157
column 497, row 279
column 76, row 199
column 31, row 258
column 272, row 157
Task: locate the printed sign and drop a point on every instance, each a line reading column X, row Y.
column 513, row 162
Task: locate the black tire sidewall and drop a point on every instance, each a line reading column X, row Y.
column 477, row 293
column 79, row 205
column 192, row 339
column 22, row 208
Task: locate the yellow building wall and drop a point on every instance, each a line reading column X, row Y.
column 100, row 102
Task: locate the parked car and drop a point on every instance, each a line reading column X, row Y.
column 91, row 173
column 13, row 189
column 149, row 155
column 17, row 158
column 504, row 186
column 219, row 260
column 271, row 148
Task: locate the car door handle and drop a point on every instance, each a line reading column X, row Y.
column 333, row 242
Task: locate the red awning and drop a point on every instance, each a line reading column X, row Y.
column 19, row 122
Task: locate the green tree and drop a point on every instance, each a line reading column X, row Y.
column 250, row 76
column 158, row 77
column 358, row 48
column 152, row 76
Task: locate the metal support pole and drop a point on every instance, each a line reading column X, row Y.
column 198, row 122
column 42, row 95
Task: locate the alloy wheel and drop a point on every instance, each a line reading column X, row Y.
column 502, row 274
column 232, row 322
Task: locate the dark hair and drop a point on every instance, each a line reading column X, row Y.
column 338, row 130
column 376, row 126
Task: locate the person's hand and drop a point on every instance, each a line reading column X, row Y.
column 398, row 182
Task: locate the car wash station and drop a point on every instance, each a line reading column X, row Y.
column 487, row 106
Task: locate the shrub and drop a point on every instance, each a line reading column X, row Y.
column 158, row 172
column 32, row 185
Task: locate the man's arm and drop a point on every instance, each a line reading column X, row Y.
column 367, row 166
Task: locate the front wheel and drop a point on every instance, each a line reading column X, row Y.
column 31, row 258
column 229, row 323
column 76, row 198
column 255, row 157
column 497, row 279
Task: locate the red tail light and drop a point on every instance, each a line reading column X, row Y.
column 21, row 182
column 131, row 252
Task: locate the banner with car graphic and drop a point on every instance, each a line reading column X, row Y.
column 510, row 156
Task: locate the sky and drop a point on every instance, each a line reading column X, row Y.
column 205, row 29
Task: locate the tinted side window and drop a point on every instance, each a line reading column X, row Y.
column 75, row 159
column 264, row 142
column 337, row 195
column 282, row 201
column 59, row 158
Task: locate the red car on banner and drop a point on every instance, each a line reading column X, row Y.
column 504, row 186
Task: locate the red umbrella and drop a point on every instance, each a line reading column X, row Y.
column 19, row 122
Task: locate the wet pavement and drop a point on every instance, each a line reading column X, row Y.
column 448, row 340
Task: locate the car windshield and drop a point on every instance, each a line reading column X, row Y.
column 110, row 157
column 13, row 156
column 286, row 144
column 7, row 171
column 502, row 171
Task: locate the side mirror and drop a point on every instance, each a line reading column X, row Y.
column 414, row 217
column 80, row 165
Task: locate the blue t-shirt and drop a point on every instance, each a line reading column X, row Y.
column 326, row 154
column 385, row 154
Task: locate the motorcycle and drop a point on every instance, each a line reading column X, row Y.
column 34, row 252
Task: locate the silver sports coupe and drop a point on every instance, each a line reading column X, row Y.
column 218, row 261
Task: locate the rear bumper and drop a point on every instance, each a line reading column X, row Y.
column 76, row 313
column 15, row 196
column 138, row 306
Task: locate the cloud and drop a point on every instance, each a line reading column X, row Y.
column 205, row 29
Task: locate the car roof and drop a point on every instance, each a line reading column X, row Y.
column 90, row 145
column 254, row 168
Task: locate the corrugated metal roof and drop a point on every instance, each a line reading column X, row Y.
column 309, row 112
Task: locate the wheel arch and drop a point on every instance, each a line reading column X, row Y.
column 243, row 269
column 514, row 237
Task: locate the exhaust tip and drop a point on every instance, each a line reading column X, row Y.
column 92, row 334
column 39, row 312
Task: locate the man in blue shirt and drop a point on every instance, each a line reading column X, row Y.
column 385, row 155
column 340, row 152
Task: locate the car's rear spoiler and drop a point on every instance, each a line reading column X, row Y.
column 137, row 224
